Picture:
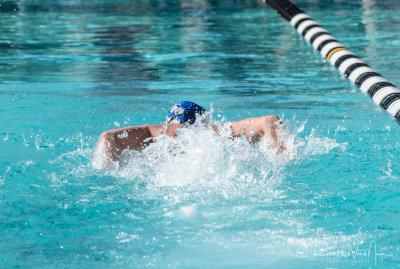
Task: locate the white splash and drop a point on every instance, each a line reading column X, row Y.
column 199, row 156
column 316, row 145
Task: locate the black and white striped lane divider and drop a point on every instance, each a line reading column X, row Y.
column 356, row 70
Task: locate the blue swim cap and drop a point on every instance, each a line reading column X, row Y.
column 183, row 112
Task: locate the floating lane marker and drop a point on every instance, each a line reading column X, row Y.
column 382, row 92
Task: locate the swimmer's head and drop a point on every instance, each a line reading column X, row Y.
column 184, row 112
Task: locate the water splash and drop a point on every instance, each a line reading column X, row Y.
column 200, row 156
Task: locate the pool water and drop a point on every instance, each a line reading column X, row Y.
column 70, row 70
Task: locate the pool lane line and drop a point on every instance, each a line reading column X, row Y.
column 369, row 81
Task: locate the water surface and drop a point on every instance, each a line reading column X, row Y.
column 70, row 70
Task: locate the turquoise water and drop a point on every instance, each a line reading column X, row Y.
column 70, row 70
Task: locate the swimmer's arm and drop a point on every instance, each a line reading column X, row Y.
column 113, row 142
column 256, row 128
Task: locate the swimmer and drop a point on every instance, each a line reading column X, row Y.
column 113, row 142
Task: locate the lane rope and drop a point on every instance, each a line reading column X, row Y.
column 381, row 91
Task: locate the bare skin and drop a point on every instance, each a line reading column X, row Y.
column 113, row 142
